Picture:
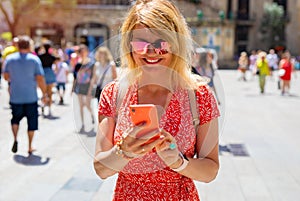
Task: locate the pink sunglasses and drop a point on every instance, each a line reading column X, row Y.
column 142, row 47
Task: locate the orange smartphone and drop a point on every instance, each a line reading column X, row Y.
column 145, row 113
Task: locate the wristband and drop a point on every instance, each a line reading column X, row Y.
column 183, row 165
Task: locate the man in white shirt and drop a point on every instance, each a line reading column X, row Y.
column 61, row 70
column 272, row 59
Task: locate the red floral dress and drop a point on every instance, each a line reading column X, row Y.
column 148, row 178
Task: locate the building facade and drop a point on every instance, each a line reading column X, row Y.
column 228, row 26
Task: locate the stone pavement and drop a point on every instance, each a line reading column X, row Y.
column 259, row 152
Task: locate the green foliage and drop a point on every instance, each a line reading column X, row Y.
column 272, row 24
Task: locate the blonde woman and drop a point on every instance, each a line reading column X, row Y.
column 105, row 69
column 243, row 65
column 156, row 50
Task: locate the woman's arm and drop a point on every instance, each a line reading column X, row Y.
column 93, row 79
column 205, row 167
column 114, row 71
column 106, row 161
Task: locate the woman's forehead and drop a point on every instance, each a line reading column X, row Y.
column 146, row 34
column 143, row 32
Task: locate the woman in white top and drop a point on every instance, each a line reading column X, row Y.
column 105, row 69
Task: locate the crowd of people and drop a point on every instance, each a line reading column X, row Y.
column 27, row 66
column 278, row 66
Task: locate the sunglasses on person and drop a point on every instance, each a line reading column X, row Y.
column 142, row 47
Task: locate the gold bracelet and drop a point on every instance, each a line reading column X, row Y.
column 121, row 152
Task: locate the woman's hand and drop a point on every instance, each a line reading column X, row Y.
column 168, row 151
column 133, row 146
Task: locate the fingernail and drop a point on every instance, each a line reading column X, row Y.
column 161, row 137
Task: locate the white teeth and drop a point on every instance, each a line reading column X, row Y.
column 152, row 60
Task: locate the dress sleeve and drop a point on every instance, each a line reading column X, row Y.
column 107, row 103
column 207, row 104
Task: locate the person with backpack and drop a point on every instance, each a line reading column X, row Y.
column 155, row 52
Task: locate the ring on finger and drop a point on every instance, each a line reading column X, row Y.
column 172, row 146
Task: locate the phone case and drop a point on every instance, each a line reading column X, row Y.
column 145, row 113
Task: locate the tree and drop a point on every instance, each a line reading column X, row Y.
column 13, row 10
column 273, row 24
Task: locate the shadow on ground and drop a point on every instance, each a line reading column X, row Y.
column 31, row 160
column 90, row 133
column 50, row 117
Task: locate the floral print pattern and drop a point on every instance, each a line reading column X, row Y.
column 147, row 177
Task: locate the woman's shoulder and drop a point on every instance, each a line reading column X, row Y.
column 202, row 90
column 111, row 86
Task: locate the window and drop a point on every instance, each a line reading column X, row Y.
column 243, row 10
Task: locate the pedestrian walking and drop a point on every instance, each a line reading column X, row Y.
column 243, row 65
column 24, row 72
column 105, row 69
column 156, row 51
column 85, row 75
column 273, row 61
column 286, row 68
column 263, row 70
column 252, row 63
column 204, row 67
column 11, row 48
column 61, row 71
column 48, row 61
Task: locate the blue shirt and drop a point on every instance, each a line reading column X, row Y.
column 23, row 69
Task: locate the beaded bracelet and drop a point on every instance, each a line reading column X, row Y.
column 121, row 152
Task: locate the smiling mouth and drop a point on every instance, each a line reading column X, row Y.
column 152, row 61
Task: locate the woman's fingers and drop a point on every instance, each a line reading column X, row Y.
column 133, row 144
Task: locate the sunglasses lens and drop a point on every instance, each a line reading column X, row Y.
column 141, row 47
column 163, row 48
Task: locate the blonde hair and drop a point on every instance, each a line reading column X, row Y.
column 262, row 54
column 106, row 52
column 163, row 18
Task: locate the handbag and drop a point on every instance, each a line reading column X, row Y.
column 99, row 86
column 281, row 72
column 257, row 72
